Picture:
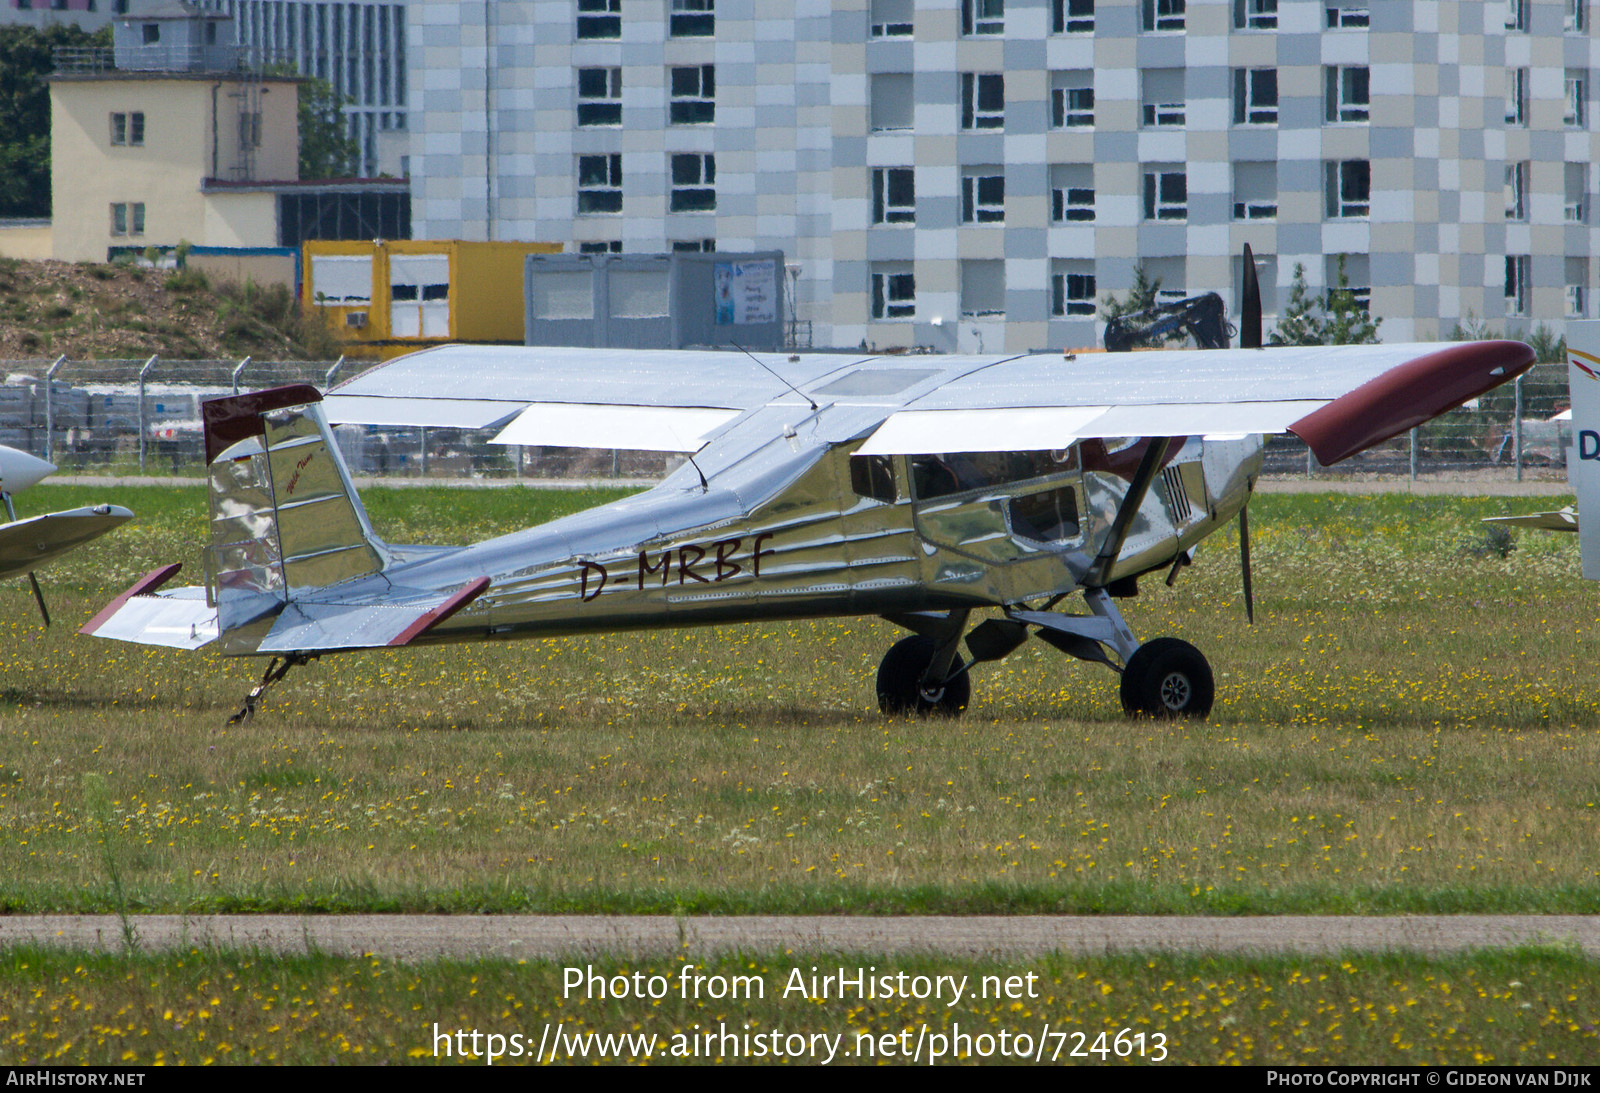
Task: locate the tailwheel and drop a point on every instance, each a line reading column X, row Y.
column 1167, row 678
column 900, row 689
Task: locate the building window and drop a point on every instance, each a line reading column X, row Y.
column 983, row 288
column 1577, row 288
column 1516, row 14
column 894, row 195
column 1518, row 283
column 1072, row 288
column 983, row 100
column 1576, row 114
column 1576, row 203
column 1163, row 97
column 892, row 18
column 983, row 195
column 127, row 129
column 1517, row 191
column 892, row 105
column 694, row 246
column 1170, row 275
column 1347, row 93
column 1517, row 97
column 693, row 19
column 694, row 91
column 600, row 184
column 127, row 219
column 1072, row 99
column 1071, row 193
column 1163, row 14
column 599, row 18
column 694, row 179
column 1072, row 16
column 1255, row 191
column 151, row 33
column 1255, row 96
column 1166, row 192
column 1356, row 272
column 613, row 246
column 599, row 96
column 1347, row 188
column 1255, row 14
column 1347, row 15
column 983, row 16
column 894, row 291
column 1576, row 20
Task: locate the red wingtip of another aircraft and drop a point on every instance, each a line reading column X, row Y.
column 146, row 584
column 1408, row 395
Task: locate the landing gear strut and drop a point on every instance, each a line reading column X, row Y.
column 276, row 670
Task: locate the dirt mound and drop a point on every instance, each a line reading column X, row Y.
column 92, row 311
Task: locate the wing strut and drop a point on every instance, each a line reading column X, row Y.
column 1154, row 455
column 38, row 594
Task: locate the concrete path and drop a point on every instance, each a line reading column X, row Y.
column 421, row 937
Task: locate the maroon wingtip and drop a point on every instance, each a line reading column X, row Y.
column 232, row 418
column 1408, row 395
column 144, row 585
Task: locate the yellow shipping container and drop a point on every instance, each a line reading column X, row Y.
column 387, row 297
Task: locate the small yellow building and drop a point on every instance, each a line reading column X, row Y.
column 153, row 158
column 387, row 297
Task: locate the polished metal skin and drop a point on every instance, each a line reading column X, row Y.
column 915, row 488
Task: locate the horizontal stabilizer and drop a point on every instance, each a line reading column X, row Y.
column 179, row 619
column 320, row 626
column 1562, row 520
column 29, row 544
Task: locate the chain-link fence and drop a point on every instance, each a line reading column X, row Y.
column 143, row 417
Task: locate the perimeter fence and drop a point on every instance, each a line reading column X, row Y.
column 131, row 417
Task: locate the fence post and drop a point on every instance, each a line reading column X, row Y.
column 424, row 431
column 50, row 404
column 1414, row 439
column 239, row 371
column 144, row 428
column 1516, row 425
column 327, row 380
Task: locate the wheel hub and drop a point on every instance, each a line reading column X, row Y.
column 1175, row 691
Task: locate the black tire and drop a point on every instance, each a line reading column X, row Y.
column 899, row 682
column 1167, row 678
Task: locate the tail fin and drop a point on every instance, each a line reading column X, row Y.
column 1583, row 459
column 285, row 519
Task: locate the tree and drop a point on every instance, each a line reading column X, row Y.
column 326, row 148
column 1342, row 319
column 27, row 56
column 1298, row 324
column 1346, row 322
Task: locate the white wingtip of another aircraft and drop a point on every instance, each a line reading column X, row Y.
column 19, row 470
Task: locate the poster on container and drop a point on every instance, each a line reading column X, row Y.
column 747, row 292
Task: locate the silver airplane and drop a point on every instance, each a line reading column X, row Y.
column 25, row 545
column 917, row 488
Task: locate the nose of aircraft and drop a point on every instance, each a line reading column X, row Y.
column 19, row 470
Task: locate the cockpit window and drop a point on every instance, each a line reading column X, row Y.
column 957, row 472
column 1049, row 517
column 873, row 476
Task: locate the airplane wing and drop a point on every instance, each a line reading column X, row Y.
column 26, row 545
column 660, row 400
column 1339, row 399
column 1561, row 520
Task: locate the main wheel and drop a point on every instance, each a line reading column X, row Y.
column 900, row 681
column 1169, row 678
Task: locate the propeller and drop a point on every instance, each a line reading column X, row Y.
column 1244, row 564
column 1250, row 308
column 38, row 595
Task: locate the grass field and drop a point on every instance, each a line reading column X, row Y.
column 1411, row 726
column 1514, row 1007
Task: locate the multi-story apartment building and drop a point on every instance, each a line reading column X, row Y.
column 967, row 174
column 358, row 46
